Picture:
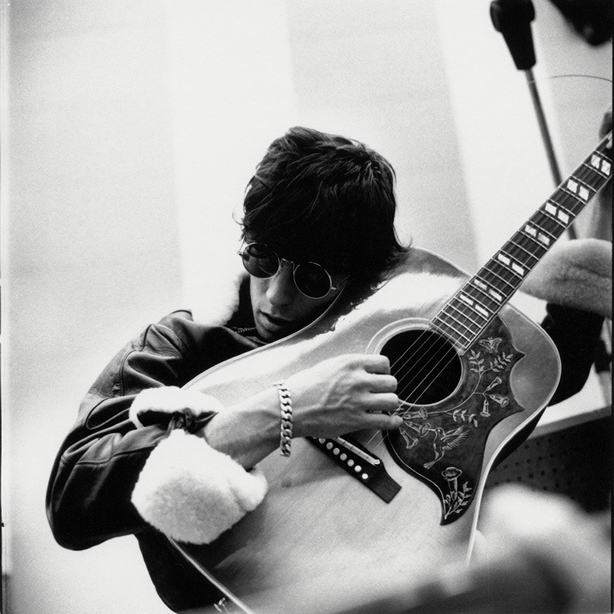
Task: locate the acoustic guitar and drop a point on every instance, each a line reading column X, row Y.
column 473, row 373
column 523, row 575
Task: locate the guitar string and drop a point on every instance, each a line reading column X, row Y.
column 446, row 357
column 408, row 356
column 425, row 335
column 434, row 363
column 437, row 361
column 421, row 342
column 581, row 174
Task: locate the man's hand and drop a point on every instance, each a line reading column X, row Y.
column 606, row 123
column 344, row 394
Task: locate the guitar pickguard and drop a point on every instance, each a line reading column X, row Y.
column 318, row 524
column 443, row 443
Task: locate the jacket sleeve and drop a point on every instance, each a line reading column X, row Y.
column 89, row 491
column 576, row 335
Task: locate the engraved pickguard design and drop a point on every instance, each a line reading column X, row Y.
column 314, row 528
column 443, row 443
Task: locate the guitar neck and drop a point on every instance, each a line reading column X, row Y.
column 467, row 314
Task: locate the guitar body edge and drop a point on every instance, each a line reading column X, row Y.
column 320, row 535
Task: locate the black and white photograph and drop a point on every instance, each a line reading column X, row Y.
column 306, row 306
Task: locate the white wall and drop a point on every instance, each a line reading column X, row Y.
column 230, row 87
column 132, row 131
column 502, row 152
column 375, row 75
column 91, row 253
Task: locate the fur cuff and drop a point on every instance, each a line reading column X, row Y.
column 575, row 274
column 193, row 493
column 169, row 400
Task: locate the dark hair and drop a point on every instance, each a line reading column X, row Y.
column 326, row 198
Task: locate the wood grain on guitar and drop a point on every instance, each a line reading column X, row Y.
column 473, row 372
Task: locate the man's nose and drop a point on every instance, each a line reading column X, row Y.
column 281, row 290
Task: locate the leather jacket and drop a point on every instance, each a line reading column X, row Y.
column 90, row 487
column 93, row 476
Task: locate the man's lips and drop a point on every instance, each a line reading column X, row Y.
column 275, row 321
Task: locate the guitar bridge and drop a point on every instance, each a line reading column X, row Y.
column 361, row 464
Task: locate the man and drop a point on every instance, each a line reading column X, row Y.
column 149, row 458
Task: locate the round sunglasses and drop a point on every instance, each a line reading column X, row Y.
column 311, row 279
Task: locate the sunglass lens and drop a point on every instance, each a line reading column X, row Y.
column 312, row 280
column 260, row 260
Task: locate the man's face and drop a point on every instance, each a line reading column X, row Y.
column 278, row 306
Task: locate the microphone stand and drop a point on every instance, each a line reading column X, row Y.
column 543, row 127
column 513, row 19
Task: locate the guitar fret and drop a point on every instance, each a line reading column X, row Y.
column 523, row 254
column 470, row 327
column 468, row 313
column 600, row 164
column 451, row 332
column 502, row 269
column 528, row 240
column 493, row 291
column 458, row 315
column 578, row 189
column 570, row 204
column 595, row 169
column 510, row 262
column 462, row 311
column 473, row 287
column 551, row 211
column 475, row 305
column 538, row 232
column 560, row 208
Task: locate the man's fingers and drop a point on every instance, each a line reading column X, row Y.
column 382, row 383
column 386, row 402
column 376, row 363
column 606, row 123
column 382, row 422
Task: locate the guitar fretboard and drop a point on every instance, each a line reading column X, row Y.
column 465, row 316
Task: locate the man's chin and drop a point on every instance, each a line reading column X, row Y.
column 269, row 330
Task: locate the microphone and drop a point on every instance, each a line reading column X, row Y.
column 513, row 19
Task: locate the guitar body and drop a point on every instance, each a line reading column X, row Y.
column 320, row 529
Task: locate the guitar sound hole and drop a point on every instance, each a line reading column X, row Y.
column 426, row 366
